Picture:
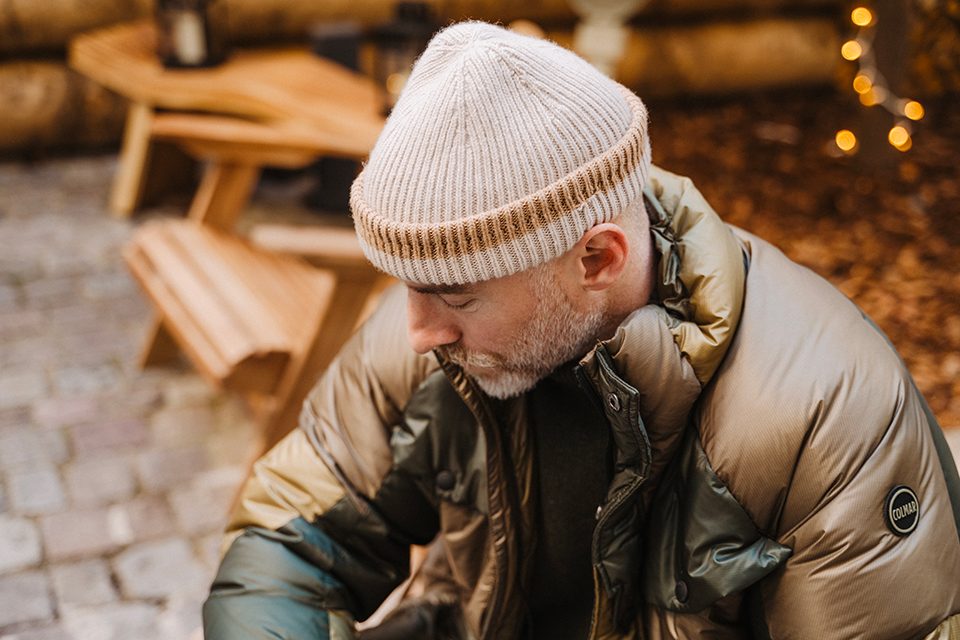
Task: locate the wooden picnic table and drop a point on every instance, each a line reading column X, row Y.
column 270, row 106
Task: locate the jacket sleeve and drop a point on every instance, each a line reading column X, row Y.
column 323, row 526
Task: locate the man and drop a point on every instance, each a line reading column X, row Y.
column 616, row 416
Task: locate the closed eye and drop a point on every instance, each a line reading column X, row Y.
column 457, row 303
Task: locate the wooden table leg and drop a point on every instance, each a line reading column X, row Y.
column 134, row 161
column 223, row 192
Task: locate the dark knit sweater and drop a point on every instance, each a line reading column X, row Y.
column 571, row 442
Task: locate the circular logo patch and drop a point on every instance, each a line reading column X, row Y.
column 902, row 510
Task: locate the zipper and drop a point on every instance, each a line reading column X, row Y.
column 622, row 497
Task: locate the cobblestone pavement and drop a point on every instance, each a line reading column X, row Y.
column 114, row 483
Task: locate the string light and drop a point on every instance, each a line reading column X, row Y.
column 846, row 141
column 861, row 16
column 851, row 50
column 871, row 86
column 862, row 84
column 913, row 110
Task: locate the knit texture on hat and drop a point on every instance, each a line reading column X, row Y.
column 500, row 153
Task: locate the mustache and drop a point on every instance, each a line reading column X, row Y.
column 460, row 356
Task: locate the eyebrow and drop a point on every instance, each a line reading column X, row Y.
column 442, row 288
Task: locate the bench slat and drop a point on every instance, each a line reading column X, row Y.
column 200, row 297
column 244, row 303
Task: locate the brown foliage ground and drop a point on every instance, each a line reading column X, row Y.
column 888, row 238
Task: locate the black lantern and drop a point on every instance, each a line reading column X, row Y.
column 191, row 33
column 398, row 43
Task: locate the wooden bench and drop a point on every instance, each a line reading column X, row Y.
column 257, row 320
column 251, row 320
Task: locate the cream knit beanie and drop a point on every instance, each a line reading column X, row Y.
column 500, row 153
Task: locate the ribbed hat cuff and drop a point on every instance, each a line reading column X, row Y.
column 516, row 236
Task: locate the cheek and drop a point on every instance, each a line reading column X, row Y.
column 492, row 333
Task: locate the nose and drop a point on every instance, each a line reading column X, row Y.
column 427, row 326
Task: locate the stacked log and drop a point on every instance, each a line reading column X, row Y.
column 32, row 26
column 44, row 104
column 727, row 57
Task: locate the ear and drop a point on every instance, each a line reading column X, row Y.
column 601, row 256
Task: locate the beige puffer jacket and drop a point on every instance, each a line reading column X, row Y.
column 778, row 474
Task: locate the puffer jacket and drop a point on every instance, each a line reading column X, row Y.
column 777, row 474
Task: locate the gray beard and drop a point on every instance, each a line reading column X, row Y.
column 556, row 333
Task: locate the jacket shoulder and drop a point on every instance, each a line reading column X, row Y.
column 365, row 391
column 806, row 394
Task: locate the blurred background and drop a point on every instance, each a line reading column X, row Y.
column 173, row 187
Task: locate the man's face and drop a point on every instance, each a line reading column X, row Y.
column 507, row 334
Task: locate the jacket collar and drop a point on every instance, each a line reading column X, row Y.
column 668, row 350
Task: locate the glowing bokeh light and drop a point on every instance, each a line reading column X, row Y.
column 851, row 50
column 846, row 140
column 861, row 16
column 913, row 110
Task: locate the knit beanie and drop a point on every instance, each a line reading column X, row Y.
column 501, row 151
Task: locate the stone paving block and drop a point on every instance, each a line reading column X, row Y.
column 101, row 480
column 63, row 263
column 19, row 446
column 47, row 293
column 119, row 621
column 55, row 443
column 99, row 437
column 83, row 583
column 25, row 445
column 22, row 323
column 73, row 379
column 108, row 286
column 135, row 400
column 134, row 310
column 9, row 297
column 203, row 505
column 66, row 411
column 161, row 469
column 46, row 632
column 85, row 347
column 25, row 597
column 146, row 517
column 26, row 355
column 77, row 317
column 182, row 425
column 14, row 417
column 79, row 534
column 21, row 387
column 161, row 569
column 35, row 490
column 19, row 544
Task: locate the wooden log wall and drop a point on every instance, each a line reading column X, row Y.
column 44, row 104
column 41, row 26
column 727, row 57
